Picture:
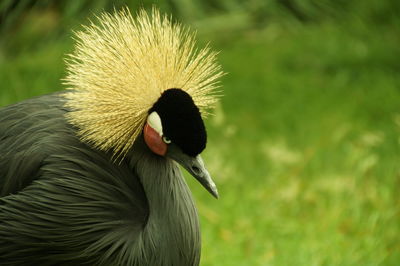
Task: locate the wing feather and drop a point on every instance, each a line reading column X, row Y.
column 59, row 197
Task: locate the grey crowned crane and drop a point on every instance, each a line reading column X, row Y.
column 89, row 175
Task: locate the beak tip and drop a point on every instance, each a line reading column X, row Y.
column 215, row 194
column 214, row 191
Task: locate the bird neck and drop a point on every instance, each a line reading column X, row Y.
column 173, row 220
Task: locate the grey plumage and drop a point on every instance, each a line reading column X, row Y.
column 65, row 203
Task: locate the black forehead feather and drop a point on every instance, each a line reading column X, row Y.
column 181, row 121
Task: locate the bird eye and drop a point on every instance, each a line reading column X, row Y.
column 166, row 140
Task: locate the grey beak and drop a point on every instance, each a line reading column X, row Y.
column 195, row 166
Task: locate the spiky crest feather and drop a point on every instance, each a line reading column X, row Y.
column 121, row 67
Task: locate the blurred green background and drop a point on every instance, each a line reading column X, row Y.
column 305, row 145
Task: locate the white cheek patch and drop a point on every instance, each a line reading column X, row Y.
column 154, row 121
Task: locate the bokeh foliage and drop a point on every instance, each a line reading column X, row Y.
column 305, row 145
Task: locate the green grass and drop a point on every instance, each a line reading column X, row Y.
column 304, row 147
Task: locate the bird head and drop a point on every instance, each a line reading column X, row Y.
column 175, row 129
column 130, row 77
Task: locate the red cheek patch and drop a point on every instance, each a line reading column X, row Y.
column 154, row 140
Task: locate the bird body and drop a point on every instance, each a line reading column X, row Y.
column 90, row 176
column 72, row 205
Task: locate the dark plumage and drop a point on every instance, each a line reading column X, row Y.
column 64, row 203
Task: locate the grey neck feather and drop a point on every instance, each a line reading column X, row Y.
column 172, row 227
